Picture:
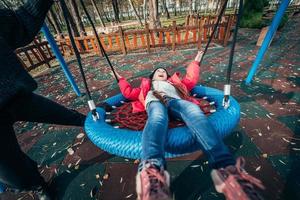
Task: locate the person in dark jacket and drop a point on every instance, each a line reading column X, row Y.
column 17, row 100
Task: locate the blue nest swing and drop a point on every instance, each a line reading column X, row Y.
column 127, row 143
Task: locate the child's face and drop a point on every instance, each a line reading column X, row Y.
column 160, row 75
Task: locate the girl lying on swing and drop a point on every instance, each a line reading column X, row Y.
column 164, row 96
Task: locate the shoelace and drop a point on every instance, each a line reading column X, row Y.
column 245, row 176
column 155, row 178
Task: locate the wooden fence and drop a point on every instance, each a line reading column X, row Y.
column 172, row 36
column 35, row 55
column 124, row 42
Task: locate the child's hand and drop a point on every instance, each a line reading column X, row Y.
column 199, row 56
column 117, row 74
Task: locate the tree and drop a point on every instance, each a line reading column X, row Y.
column 53, row 19
column 252, row 13
column 70, row 20
column 190, row 7
column 135, row 13
column 97, row 12
column 50, row 24
column 122, row 10
column 154, row 20
column 116, row 10
column 219, row 6
column 145, row 10
column 103, row 10
column 76, row 15
column 180, row 5
column 59, row 14
column 164, row 4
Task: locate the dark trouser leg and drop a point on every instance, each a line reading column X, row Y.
column 35, row 108
column 17, row 170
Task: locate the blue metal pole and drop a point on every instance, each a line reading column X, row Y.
column 60, row 58
column 272, row 29
column 2, row 188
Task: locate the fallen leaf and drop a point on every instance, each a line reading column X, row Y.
column 80, row 135
column 70, row 151
column 97, row 176
column 258, row 168
column 106, row 176
column 128, row 196
column 265, row 155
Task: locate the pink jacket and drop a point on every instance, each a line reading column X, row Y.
column 138, row 95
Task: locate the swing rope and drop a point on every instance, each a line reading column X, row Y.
column 98, row 40
column 234, row 41
column 226, row 102
column 91, row 103
column 214, row 30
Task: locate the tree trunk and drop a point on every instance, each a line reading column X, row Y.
column 219, row 6
column 116, row 10
column 145, row 10
column 54, row 20
column 196, row 6
column 207, row 6
column 175, row 5
column 103, row 10
column 154, row 21
column 97, row 12
column 164, row 3
column 135, row 13
column 75, row 13
column 50, row 24
column 59, row 15
column 121, row 11
column 128, row 14
column 71, row 21
column 190, row 7
column 180, row 6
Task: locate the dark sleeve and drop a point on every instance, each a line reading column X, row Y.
column 23, row 24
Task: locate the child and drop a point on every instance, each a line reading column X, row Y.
column 160, row 95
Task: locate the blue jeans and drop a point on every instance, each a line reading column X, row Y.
column 156, row 129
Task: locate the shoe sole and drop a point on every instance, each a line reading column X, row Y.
column 234, row 192
column 218, row 181
column 139, row 185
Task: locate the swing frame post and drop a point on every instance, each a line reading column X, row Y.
column 2, row 188
column 60, row 59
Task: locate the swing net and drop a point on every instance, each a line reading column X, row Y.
column 122, row 116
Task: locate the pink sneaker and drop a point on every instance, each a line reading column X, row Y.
column 235, row 183
column 153, row 184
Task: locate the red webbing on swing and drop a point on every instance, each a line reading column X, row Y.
column 123, row 117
